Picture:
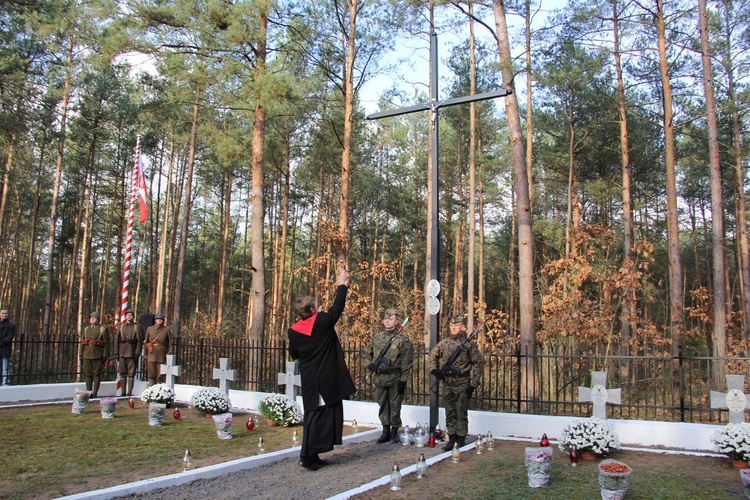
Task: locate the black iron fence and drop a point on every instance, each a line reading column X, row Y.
column 654, row 384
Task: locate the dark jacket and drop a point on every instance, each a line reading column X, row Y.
column 322, row 366
column 7, row 332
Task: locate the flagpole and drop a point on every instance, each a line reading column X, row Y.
column 129, row 247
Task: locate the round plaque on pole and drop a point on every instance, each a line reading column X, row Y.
column 433, row 306
column 433, row 288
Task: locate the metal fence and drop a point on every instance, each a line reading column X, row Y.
column 654, row 385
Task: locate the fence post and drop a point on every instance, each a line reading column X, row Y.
column 519, row 378
column 682, row 382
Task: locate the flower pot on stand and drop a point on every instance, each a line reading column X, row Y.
column 739, row 464
column 588, row 455
column 156, row 414
column 538, row 464
column 108, row 406
column 614, row 479
column 223, row 422
column 271, row 423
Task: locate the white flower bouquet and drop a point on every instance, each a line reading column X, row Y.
column 734, row 441
column 159, row 393
column 211, row 400
column 281, row 410
column 592, row 434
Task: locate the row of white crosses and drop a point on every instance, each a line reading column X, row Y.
column 223, row 374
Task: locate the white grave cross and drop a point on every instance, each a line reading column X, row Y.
column 171, row 370
column 735, row 399
column 223, row 373
column 290, row 380
column 599, row 395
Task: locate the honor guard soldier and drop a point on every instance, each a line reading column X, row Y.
column 457, row 362
column 158, row 345
column 128, row 344
column 390, row 355
column 93, row 353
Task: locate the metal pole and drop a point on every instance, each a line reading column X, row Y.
column 434, row 219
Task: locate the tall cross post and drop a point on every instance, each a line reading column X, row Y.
column 171, row 370
column 223, row 373
column 433, row 105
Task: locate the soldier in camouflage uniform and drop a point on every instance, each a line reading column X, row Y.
column 390, row 379
column 93, row 353
column 457, row 389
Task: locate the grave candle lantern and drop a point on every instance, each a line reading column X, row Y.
column 295, row 438
column 355, row 425
column 573, row 455
column 261, row 446
column 456, row 454
column 176, row 414
column 250, row 425
column 479, row 445
column 131, row 403
column 490, row 441
column 395, row 478
column 544, row 441
column 421, row 466
column 186, row 461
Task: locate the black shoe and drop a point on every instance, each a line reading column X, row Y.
column 461, row 440
column 451, row 442
column 385, row 436
column 309, row 463
column 394, row 435
column 319, row 461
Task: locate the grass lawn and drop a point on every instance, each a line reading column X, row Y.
column 49, row 452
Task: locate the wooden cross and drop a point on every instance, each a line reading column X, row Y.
column 290, row 380
column 735, row 398
column 171, row 370
column 599, row 395
column 223, row 373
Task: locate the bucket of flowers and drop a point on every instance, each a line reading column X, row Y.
column 280, row 410
column 614, row 479
column 538, row 463
column 592, row 435
column 157, row 397
column 734, row 441
column 215, row 402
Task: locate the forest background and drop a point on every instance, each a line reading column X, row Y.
column 604, row 202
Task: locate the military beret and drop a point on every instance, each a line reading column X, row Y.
column 389, row 312
column 94, row 315
column 458, row 318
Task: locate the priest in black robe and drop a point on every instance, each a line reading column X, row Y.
column 326, row 380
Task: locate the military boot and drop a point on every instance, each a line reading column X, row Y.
column 394, row 435
column 385, row 436
column 451, row 442
column 461, row 440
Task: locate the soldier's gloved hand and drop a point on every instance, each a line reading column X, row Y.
column 438, row 374
column 470, row 390
column 401, row 387
column 373, row 368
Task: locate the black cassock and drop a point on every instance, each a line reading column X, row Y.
column 314, row 343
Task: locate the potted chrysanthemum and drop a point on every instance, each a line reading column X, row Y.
column 734, row 441
column 592, row 435
column 280, row 410
column 157, row 397
column 215, row 402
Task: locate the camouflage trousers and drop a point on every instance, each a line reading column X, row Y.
column 389, row 401
column 456, row 404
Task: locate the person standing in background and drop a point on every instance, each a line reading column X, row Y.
column 7, row 332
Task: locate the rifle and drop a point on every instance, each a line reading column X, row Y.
column 448, row 368
column 381, row 359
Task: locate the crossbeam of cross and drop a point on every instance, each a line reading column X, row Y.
column 171, row 370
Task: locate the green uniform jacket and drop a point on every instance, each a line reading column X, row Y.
column 94, row 342
column 469, row 363
column 158, row 343
column 400, row 354
column 129, row 340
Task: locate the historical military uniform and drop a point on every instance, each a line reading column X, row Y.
column 390, row 379
column 93, row 352
column 457, row 389
column 158, row 345
column 128, row 344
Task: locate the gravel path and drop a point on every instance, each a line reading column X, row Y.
column 350, row 466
